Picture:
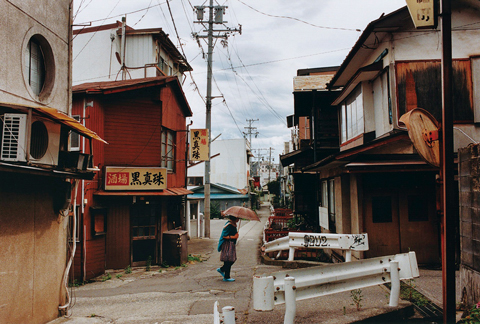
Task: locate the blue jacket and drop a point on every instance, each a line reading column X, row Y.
column 228, row 230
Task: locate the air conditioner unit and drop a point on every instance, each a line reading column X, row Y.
column 44, row 140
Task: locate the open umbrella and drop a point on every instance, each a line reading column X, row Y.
column 241, row 212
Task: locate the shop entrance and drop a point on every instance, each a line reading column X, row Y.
column 145, row 222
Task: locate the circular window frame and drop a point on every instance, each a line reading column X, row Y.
column 49, row 64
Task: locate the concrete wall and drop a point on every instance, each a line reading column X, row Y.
column 22, row 19
column 33, row 245
column 99, row 45
column 469, row 201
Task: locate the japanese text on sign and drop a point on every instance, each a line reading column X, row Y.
column 199, row 145
column 135, row 178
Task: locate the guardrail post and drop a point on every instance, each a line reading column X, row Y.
column 290, row 300
column 291, row 253
column 228, row 315
column 216, row 314
column 263, row 293
column 348, row 256
column 395, row 284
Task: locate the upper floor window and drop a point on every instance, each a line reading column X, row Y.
column 38, row 67
column 35, row 66
column 75, row 137
column 195, row 181
column 168, row 149
column 351, row 114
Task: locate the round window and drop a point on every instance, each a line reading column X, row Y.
column 39, row 67
column 38, row 140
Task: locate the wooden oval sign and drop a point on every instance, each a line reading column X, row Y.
column 423, row 130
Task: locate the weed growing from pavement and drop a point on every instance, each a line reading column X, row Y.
column 128, row 269
column 106, row 277
column 119, row 275
column 76, row 283
column 194, row 258
column 357, row 297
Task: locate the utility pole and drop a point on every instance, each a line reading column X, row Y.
column 251, row 130
column 270, row 162
column 218, row 12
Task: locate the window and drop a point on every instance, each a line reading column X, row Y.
column 35, row 64
column 331, row 202
column 78, row 225
column 195, row 181
column 75, row 137
column 327, row 204
column 38, row 67
column 352, row 123
column 98, row 220
column 168, row 149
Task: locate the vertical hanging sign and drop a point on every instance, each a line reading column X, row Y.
column 422, row 13
column 199, row 145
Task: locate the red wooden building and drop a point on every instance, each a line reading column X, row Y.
column 138, row 192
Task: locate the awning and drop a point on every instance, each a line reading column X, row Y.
column 166, row 192
column 213, row 196
column 388, row 166
column 69, row 122
column 291, row 157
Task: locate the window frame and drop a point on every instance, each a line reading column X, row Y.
column 350, row 109
column 76, row 135
column 326, row 204
column 168, row 150
column 45, row 57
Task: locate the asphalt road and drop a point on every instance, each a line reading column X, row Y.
column 187, row 294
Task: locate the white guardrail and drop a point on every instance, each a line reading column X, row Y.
column 295, row 240
column 289, row 286
column 228, row 313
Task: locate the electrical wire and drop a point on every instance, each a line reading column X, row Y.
column 296, row 19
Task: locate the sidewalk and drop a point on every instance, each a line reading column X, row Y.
column 187, row 295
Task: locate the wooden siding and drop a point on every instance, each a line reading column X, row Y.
column 419, row 85
column 118, row 235
column 95, row 257
column 132, row 130
column 174, row 119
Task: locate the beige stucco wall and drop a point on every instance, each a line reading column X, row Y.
column 33, row 245
column 19, row 21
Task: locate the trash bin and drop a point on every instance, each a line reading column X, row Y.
column 175, row 247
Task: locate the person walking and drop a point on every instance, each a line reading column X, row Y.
column 227, row 247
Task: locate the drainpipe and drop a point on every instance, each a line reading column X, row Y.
column 187, row 209
column 124, row 45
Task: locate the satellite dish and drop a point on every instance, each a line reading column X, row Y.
column 423, row 130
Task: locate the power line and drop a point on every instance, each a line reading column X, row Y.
column 296, row 19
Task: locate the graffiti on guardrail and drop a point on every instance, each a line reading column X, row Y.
column 315, row 240
column 358, row 240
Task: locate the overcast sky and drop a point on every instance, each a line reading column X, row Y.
column 254, row 71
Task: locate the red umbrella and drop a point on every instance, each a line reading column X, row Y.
column 241, row 212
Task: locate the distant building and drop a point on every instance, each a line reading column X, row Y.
column 103, row 53
column 230, row 164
